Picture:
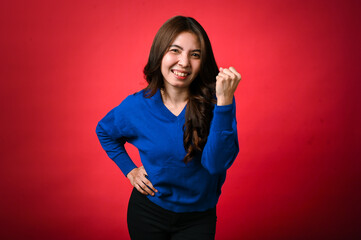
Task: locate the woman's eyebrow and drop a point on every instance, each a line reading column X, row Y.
column 177, row 46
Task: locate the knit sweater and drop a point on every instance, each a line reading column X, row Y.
column 157, row 133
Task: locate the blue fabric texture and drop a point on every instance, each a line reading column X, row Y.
column 158, row 134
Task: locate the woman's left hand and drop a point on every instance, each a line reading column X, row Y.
column 226, row 85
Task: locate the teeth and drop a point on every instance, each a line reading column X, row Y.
column 180, row 74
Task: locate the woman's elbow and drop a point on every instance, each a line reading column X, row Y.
column 217, row 166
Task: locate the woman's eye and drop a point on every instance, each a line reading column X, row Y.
column 174, row 50
column 196, row 55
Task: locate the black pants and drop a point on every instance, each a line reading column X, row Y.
column 148, row 221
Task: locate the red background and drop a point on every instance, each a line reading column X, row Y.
column 65, row 64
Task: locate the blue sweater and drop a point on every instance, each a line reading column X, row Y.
column 158, row 134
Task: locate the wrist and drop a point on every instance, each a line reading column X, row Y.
column 222, row 101
column 130, row 173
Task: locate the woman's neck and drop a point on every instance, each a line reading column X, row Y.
column 175, row 96
column 175, row 99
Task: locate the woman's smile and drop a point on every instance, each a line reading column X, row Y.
column 180, row 74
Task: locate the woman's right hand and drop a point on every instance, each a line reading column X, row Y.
column 138, row 178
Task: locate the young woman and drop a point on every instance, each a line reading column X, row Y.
column 184, row 126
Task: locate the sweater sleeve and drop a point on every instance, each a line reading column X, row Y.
column 222, row 144
column 112, row 133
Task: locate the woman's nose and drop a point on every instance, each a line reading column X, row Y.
column 183, row 60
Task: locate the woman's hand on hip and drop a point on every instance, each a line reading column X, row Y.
column 226, row 85
column 138, row 178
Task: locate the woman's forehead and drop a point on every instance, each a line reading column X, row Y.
column 187, row 40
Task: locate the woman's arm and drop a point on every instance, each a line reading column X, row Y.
column 222, row 144
column 112, row 137
column 112, row 132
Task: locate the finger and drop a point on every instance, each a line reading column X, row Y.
column 140, row 189
column 141, row 183
column 232, row 69
column 146, row 181
column 223, row 75
column 229, row 73
column 219, row 78
column 147, row 189
column 150, row 185
column 235, row 72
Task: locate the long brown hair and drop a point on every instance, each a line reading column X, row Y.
column 199, row 111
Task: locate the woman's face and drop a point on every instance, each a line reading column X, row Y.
column 181, row 63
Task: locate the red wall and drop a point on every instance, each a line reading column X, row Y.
column 65, row 64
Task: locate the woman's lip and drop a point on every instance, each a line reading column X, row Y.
column 180, row 71
column 180, row 77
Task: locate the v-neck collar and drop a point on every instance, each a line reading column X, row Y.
column 165, row 110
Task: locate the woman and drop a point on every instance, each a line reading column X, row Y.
column 183, row 124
